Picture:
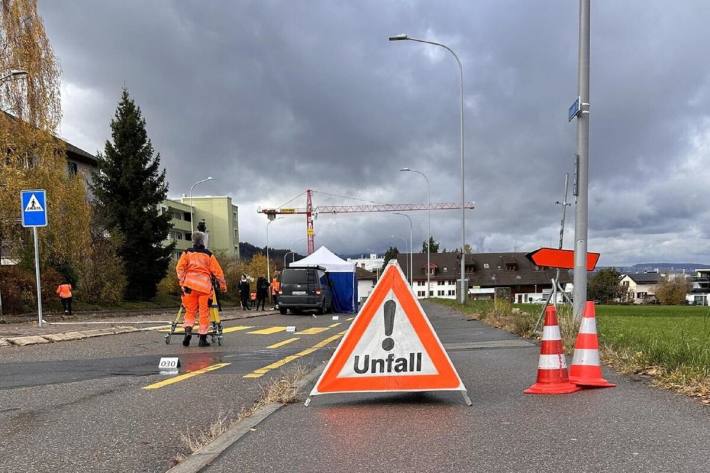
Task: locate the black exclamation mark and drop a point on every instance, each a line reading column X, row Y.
column 390, row 308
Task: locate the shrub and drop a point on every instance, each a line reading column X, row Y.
column 18, row 288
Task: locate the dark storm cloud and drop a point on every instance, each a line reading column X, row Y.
column 275, row 97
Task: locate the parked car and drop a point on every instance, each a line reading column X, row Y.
column 305, row 289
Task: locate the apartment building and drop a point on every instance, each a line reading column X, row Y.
column 219, row 215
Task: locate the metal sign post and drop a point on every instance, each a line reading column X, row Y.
column 33, row 206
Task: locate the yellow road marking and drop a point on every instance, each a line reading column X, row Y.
column 183, row 377
column 236, row 328
column 268, row 330
column 348, row 320
column 285, row 342
column 313, row 331
column 334, row 325
column 278, row 364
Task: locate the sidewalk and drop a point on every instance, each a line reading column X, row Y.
column 22, row 334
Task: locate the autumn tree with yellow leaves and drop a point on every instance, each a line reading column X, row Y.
column 32, row 156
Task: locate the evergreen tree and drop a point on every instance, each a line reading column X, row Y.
column 129, row 187
column 434, row 245
column 391, row 253
column 604, row 286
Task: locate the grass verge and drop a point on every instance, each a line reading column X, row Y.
column 283, row 390
column 670, row 345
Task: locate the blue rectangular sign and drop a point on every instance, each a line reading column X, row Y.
column 573, row 110
column 34, row 208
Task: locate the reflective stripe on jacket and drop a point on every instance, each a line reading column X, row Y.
column 64, row 291
column 275, row 286
column 196, row 268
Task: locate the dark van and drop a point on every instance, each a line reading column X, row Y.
column 305, row 289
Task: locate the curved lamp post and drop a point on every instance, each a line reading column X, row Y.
column 428, row 241
column 463, row 287
column 192, row 223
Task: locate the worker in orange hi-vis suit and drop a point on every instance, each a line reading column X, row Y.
column 195, row 270
column 64, row 293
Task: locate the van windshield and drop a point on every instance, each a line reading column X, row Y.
column 294, row 276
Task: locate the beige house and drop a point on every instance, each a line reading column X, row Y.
column 219, row 215
column 640, row 288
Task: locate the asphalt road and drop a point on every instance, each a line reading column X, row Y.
column 82, row 406
column 630, row 428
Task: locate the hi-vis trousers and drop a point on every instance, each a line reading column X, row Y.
column 193, row 302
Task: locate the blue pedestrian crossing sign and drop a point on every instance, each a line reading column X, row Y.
column 34, row 208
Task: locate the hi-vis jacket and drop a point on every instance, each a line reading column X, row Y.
column 196, row 268
column 64, row 291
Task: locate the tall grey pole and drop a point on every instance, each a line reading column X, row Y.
column 582, row 208
column 428, row 241
column 463, row 286
column 411, row 247
column 39, row 283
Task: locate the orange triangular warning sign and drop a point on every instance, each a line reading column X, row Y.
column 390, row 346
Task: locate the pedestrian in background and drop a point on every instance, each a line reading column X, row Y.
column 195, row 270
column 262, row 292
column 244, row 292
column 64, row 293
column 275, row 287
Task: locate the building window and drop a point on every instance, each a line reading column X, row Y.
column 440, row 293
column 452, row 292
column 187, row 216
column 440, row 283
column 641, row 295
column 72, row 168
column 486, row 266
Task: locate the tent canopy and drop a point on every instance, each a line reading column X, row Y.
column 326, row 258
column 341, row 274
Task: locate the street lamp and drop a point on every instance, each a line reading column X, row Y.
column 268, row 262
column 409, row 267
column 411, row 261
column 463, row 287
column 428, row 241
column 192, row 226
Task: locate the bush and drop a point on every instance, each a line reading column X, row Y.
column 102, row 278
column 18, row 288
column 169, row 285
column 672, row 291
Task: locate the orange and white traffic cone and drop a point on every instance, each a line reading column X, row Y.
column 552, row 368
column 585, row 369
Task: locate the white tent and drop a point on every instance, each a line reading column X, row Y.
column 341, row 274
column 326, row 258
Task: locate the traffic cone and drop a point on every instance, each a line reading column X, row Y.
column 585, row 370
column 552, row 368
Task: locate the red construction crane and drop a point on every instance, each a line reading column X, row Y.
column 309, row 210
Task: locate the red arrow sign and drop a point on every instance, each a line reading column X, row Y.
column 563, row 259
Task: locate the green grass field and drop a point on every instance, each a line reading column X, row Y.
column 675, row 337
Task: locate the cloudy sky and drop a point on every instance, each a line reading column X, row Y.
column 273, row 97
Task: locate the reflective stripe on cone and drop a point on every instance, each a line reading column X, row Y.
column 586, row 370
column 552, row 375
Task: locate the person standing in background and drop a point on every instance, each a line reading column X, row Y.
column 64, row 293
column 275, row 288
column 262, row 292
column 244, row 292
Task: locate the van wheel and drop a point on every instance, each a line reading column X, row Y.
column 322, row 309
column 283, row 310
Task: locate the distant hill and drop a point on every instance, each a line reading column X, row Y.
column 247, row 252
column 673, row 267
